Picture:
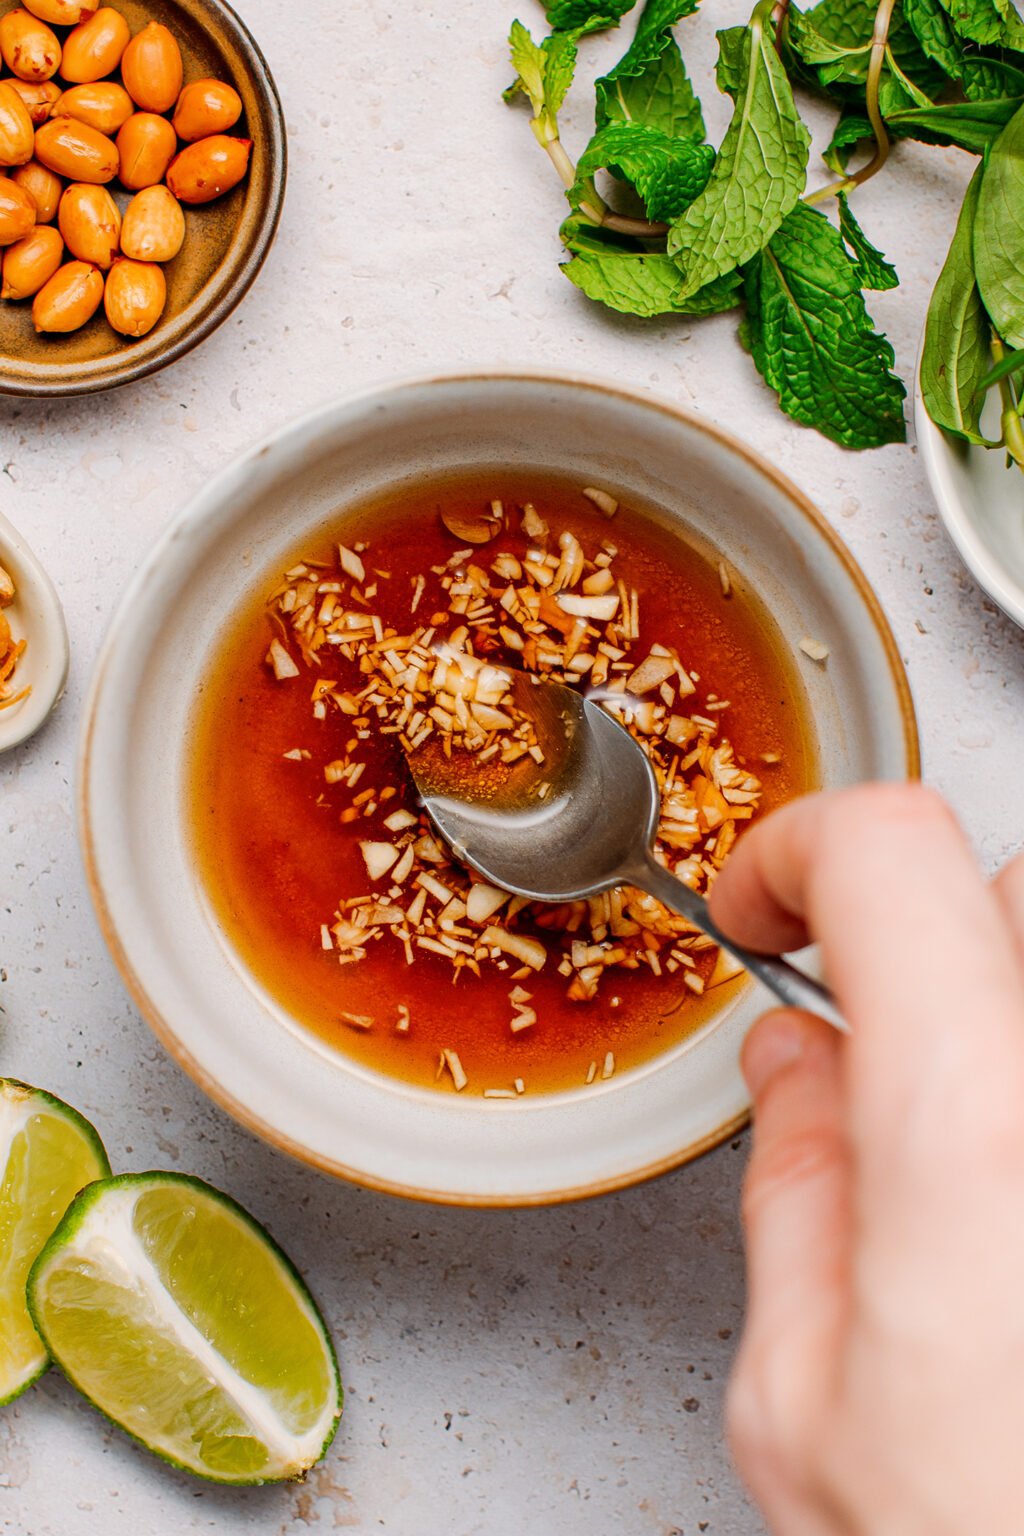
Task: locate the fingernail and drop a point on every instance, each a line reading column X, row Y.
column 774, row 1044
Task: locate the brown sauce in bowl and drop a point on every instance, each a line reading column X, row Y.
column 278, row 836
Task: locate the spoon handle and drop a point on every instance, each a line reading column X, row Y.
column 790, row 985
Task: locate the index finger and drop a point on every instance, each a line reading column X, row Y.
column 915, row 944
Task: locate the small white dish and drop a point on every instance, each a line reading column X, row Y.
column 35, row 616
column 981, row 503
column 189, row 982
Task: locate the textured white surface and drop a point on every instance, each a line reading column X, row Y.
column 553, row 1371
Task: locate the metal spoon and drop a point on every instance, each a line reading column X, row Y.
column 592, row 830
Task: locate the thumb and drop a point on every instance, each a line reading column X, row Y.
column 796, row 1213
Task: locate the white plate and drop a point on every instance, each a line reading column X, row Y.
column 235, row 1041
column 35, row 616
column 981, row 503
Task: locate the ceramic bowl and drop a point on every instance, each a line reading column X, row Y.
column 981, row 503
column 226, row 241
column 36, row 617
column 238, row 1045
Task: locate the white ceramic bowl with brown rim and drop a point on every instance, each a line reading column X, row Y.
column 264, row 1068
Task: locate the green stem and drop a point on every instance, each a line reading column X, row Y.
column 594, row 207
column 1013, row 428
column 879, row 45
column 780, row 20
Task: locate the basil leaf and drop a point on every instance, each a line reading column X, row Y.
column 585, row 15
column 1010, row 363
column 642, row 60
column 987, row 21
column 971, row 125
column 668, row 173
column 999, row 233
column 956, row 353
column 760, row 170
column 813, row 341
column 658, row 96
column 933, row 29
column 634, row 281
column 873, row 271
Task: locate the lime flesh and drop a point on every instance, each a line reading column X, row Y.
column 179, row 1317
column 47, row 1153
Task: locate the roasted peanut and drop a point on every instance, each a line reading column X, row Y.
column 77, row 151
column 151, row 68
column 153, row 228
column 42, row 186
column 90, row 222
column 16, row 131
column 40, row 98
column 17, row 211
column 135, row 296
column 69, row 299
column 29, row 48
column 93, row 50
column 31, row 262
column 60, row 13
column 146, row 145
column 206, row 107
column 208, row 168
column 102, row 104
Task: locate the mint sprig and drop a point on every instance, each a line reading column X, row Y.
column 664, row 223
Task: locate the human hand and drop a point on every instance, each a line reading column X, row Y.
column 879, row 1389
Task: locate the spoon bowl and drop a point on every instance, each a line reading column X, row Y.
column 581, row 822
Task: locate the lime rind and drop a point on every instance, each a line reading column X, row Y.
column 22, row 1097
column 64, row 1237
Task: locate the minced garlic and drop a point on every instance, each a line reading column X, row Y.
column 562, row 612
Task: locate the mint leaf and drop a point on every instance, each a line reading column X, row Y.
column 956, row 355
column 985, row 79
column 930, row 24
column 970, row 125
column 530, row 65
column 850, row 25
column 585, row 15
column 668, row 173
column 872, row 269
column 813, row 47
column 813, row 340
column 642, row 61
column 850, row 22
column 659, row 95
column 761, row 167
column 999, row 233
column 987, row 22
column 850, row 130
column 544, row 73
column 621, row 275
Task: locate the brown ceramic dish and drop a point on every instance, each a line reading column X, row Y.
column 225, row 244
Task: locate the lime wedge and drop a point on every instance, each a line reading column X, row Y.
column 47, row 1153
column 182, row 1320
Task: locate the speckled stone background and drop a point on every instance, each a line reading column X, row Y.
column 516, row 1375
